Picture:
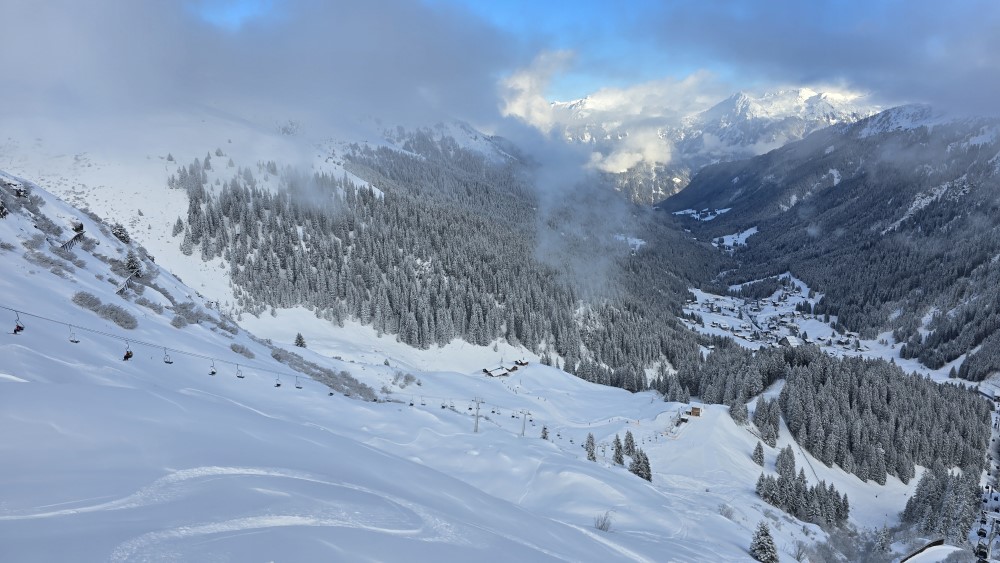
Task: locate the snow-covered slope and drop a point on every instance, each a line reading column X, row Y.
column 145, row 460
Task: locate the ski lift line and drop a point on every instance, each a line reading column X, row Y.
column 452, row 401
column 128, row 341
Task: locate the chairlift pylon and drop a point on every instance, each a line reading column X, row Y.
column 72, row 335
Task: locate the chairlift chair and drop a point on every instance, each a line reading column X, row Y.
column 72, row 336
column 166, row 357
column 211, row 370
column 277, row 382
column 128, row 352
column 239, row 372
column 297, row 384
column 411, row 401
column 18, row 327
column 423, row 403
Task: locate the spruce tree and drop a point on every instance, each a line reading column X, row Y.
column 738, row 411
column 629, row 443
column 758, row 454
column 640, row 465
column 762, row 546
column 300, row 341
column 133, row 265
column 118, row 230
column 591, row 448
column 619, row 457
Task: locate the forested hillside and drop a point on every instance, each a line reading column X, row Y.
column 451, row 244
column 893, row 218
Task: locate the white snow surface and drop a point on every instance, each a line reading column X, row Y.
column 740, row 238
column 633, row 243
column 704, row 214
column 107, row 460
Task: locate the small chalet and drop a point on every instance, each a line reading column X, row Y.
column 790, row 341
column 496, row 372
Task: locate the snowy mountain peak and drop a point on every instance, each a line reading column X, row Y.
column 911, row 116
column 802, row 103
column 653, row 146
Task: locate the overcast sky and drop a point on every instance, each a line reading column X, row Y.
column 944, row 53
column 418, row 60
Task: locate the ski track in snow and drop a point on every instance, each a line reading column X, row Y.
column 162, row 490
column 624, row 551
column 399, row 517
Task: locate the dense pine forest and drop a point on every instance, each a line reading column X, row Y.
column 446, row 243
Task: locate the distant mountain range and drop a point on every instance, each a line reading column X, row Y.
column 653, row 153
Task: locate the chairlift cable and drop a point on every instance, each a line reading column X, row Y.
column 127, row 341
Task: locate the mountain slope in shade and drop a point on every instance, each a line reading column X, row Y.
column 894, row 217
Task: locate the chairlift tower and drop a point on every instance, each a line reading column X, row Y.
column 478, row 402
column 524, row 420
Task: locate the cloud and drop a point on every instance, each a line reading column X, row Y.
column 399, row 60
column 640, row 145
column 524, row 91
column 623, row 126
column 668, row 98
column 918, row 50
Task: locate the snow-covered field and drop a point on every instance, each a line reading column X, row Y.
column 704, row 214
column 729, row 241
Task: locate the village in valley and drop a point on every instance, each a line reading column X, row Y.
column 778, row 320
